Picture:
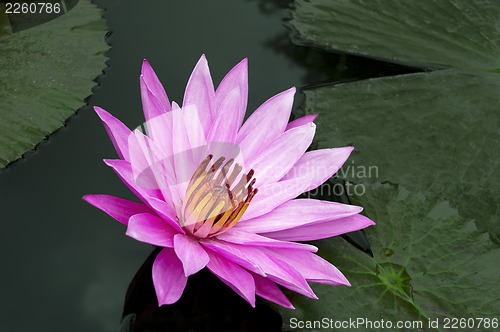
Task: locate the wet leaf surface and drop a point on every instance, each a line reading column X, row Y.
column 434, row 33
column 46, row 74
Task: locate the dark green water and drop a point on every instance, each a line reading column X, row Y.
column 66, row 265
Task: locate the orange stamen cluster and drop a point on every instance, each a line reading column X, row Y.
column 212, row 203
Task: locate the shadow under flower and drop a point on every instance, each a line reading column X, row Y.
column 207, row 304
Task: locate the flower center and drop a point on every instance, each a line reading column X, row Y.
column 212, row 203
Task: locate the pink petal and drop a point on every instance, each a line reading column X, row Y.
column 155, row 171
column 280, row 271
column 166, row 211
column 149, row 165
column 196, row 134
column 153, row 84
column 148, row 149
column 179, row 131
column 160, row 131
column 192, row 255
column 151, row 105
column 274, row 161
column 251, row 239
column 200, row 93
column 117, row 131
column 233, row 253
column 265, row 124
column 151, row 197
column 237, row 77
column 118, row 208
column 318, row 165
column 268, row 290
column 163, row 209
column 226, row 122
column 312, row 267
column 141, row 161
column 297, row 213
column 194, row 126
column 183, row 162
column 151, row 229
column 123, row 169
column 322, row 230
column 152, row 171
column 234, row 276
column 168, row 277
column 275, row 269
column 273, row 195
column 301, row 121
column 158, row 121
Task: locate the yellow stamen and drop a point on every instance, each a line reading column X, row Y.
column 210, row 205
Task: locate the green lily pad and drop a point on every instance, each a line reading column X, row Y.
column 46, row 74
column 434, row 33
column 429, row 263
column 435, row 132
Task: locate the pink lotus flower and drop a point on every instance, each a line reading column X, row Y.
column 221, row 195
